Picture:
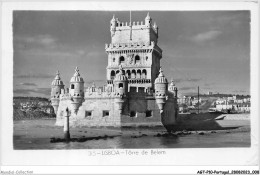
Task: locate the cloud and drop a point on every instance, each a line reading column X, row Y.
column 43, row 91
column 206, row 36
column 22, row 91
column 43, row 40
column 49, row 46
column 95, row 81
column 239, row 91
column 209, row 84
column 34, row 76
column 193, row 79
column 28, row 84
column 186, row 88
column 179, row 80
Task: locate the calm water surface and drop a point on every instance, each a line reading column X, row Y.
column 213, row 140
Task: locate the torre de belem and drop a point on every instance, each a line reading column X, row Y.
column 136, row 93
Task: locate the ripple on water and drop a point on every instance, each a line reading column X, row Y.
column 239, row 139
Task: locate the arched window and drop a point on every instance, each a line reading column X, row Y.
column 138, row 73
column 121, row 60
column 114, row 59
column 123, row 72
column 117, row 71
column 137, row 59
column 133, row 75
column 144, row 74
column 112, row 74
column 72, row 86
column 128, row 74
column 120, row 85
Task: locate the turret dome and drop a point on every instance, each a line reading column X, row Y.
column 76, row 77
column 57, row 81
column 161, row 78
column 148, row 17
column 172, row 84
column 120, row 76
column 113, row 19
column 155, row 25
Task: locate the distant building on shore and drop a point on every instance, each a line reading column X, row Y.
column 136, row 93
column 210, row 93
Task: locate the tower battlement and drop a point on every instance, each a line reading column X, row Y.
column 135, row 25
column 133, row 31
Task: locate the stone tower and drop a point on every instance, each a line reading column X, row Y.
column 76, row 90
column 56, row 87
column 134, row 46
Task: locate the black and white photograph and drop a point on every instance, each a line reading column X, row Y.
column 131, row 79
column 131, row 82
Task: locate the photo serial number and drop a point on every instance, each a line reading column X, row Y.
column 228, row 172
column 126, row 153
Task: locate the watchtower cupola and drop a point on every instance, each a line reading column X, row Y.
column 113, row 26
column 121, row 82
column 148, row 20
column 76, row 90
column 56, row 87
column 161, row 90
column 76, row 84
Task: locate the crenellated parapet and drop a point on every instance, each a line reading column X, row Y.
column 133, row 47
column 135, row 25
column 99, row 92
column 65, row 96
column 116, row 24
column 134, row 31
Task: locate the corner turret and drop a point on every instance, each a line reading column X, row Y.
column 121, row 87
column 148, row 20
column 156, row 28
column 113, row 26
column 161, row 89
column 173, row 89
column 76, row 90
column 56, row 88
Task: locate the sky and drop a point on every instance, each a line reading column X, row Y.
column 209, row 49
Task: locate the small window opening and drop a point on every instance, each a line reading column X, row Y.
column 137, row 59
column 105, row 113
column 120, row 85
column 112, row 75
column 149, row 113
column 88, row 113
column 72, row 86
column 121, row 60
column 132, row 114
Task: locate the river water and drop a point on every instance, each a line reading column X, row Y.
column 212, row 140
